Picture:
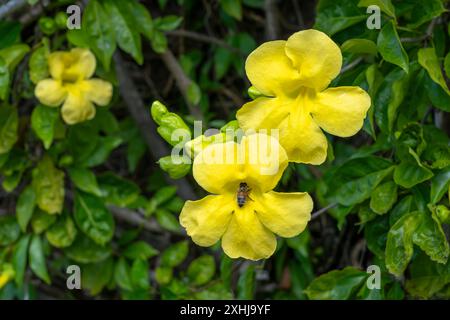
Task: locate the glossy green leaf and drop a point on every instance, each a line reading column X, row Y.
column 383, row 197
column 424, row 11
column 85, row 180
column 5, row 79
column 19, row 259
column 84, row 250
column 391, row 48
column 360, row 46
column 9, row 230
column 201, row 270
column 122, row 275
column 429, row 61
column 142, row 18
column 99, row 31
column 126, row 34
column 409, row 173
column 336, row 285
column 118, row 191
column 93, row 218
column 25, row 207
column 167, row 220
column 37, row 259
column 43, row 122
column 139, row 250
column 95, row 276
column 9, row 124
column 38, row 66
column 139, row 274
column 62, row 233
column 41, row 221
column 48, row 185
column 399, row 245
column 14, row 54
column 175, row 254
column 246, row 283
column 167, row 23
column 440, row 185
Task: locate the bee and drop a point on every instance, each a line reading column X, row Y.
column 242, row 194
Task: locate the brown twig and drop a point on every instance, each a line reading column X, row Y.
column 317, row 213
column 147, row 127
column 272, row 23
column 11, row 7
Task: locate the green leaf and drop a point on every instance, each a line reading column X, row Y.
column 424, row 11
column 167, row 23
column 201, row 270
column 163, row 275
column 375, row 233
column 118, row 191
column 427, row 277
column 14, row 54
column 177, row 169
column 10, row 33
column 43, row 122
column 175, row 254
column 37, row 259
column 84, row 250
column 62, row 233
column 25, row 207
column 167, row 220
column 222, row 62
column 99, row 31
column 142, row 18
column 336, row 285
column 4, row 79
column 9, row 230
column 122, row 275
column 41, row 221
column 246, row 284
column 38, row 66
column 140, row 274
column 440, row 185
column 360, row 46
column 383, row 197
column 48, row 185
column 19, row 259
column 333, row 16
column 439, row 98
column 193, row 93
column 399, row 245
column 159, row 42
column 429, row 61
column 95, row 276
column 93, row 218
column 358, row 190
column 140, row 250
column 385, row 5
column 391, row 48
column 9, row 124
column 447, row 65
column 126, row 34
column 84, row 180
column 430, row 237
column 408, row 174
column 232, row 7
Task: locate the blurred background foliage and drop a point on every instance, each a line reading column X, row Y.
column 93, row 194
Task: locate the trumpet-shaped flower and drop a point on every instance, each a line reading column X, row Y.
column 71, row 85
column 244, row 218
column 293, row 76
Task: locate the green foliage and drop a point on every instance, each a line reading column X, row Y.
column 100, row 193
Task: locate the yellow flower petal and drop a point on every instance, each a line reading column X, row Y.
column 97, row 91
column 77, row 108
column 316, row 56
column 263, row 113
column 50, row 92
column 341, row 111
column 85, row 63
column 247, row 237
column 217, row 169
column 207, row 219
column 71, row 66
column 265, row 161
column 302, row 138
column 285, row 214
column 270, row 70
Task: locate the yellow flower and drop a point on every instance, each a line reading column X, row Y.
column 71, row 85
column 246, row 230
column 6, row 274
column 293, row 76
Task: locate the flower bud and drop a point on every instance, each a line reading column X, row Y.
column 177, row 169
column 171, row 127
column 47, row 25
column 443, row 214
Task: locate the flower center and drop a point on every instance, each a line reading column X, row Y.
column 242, row 195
